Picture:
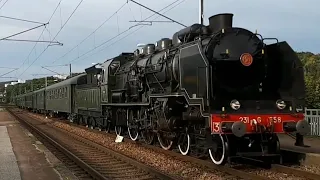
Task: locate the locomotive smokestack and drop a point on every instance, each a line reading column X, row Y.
column 220, row 21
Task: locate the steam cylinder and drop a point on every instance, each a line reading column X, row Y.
column 220, row 21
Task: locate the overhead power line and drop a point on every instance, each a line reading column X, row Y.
column 23, row 31
column 91, row 32
column 4, row 4
column 7, row 72
column 53, row 37
column 38, row 41
column 133, row 31
column 68, row 19
column 123, row 32
column 40, row 35
column 7, row 67
column 18, row 19
column 50, row 70
column 158, row 13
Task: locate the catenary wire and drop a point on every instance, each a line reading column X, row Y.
column 53, row 38
column 91, row 33
column 40, row 35
column 19, row 19
column 4, row 4
column 130, row 33
column 121, row 33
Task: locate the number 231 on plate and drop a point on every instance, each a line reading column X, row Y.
column 247, row 119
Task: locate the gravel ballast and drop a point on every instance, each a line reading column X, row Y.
column 162, row 161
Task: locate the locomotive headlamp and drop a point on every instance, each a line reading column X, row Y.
column 280, row 104
column 235, row 104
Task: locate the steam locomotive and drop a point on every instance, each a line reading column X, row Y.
column 216, row 89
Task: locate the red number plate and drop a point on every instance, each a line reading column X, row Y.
column 259, row 119
column 250, row 120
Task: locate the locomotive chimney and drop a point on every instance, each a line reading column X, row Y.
column 220, row 21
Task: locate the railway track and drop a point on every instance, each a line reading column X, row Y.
column 243, row 174
column 89, row 160
column 294, row 171
column 206, row 164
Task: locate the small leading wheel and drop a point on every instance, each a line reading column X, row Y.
column 133, row 126
column 184, row 143
column 118, row 130
column 164, row 142
column 218, row 152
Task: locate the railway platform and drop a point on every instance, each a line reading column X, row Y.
column 22, row 156
column 311, row 145
column 310, row 150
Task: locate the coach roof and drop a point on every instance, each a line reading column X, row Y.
column 68, row 82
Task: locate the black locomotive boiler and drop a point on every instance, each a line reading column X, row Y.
column 217, row 87
column 218, row 90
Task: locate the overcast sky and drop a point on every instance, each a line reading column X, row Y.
column 294, row 21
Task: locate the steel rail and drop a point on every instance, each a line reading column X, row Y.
column 87, row 167
column 295, row 171
column 95, row 174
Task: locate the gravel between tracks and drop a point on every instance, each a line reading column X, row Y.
column 164, row 162
column 160, row 161
column 271, row 174
column 313, row 169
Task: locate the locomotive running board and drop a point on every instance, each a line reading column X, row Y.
column 125, row 104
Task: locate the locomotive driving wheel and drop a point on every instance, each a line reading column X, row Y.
column 133, row 124
column 184, row 143
column 118, row 129
column 164, row 119
column 165, row 143
column 147, row 133
column 218, row 150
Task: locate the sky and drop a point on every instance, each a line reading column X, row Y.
column 294, row 21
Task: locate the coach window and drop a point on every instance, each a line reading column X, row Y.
column 62, row 92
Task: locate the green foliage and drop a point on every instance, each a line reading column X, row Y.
column 311, row 64
column 29, row 86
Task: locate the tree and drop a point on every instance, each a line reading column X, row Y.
column 311, row 64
